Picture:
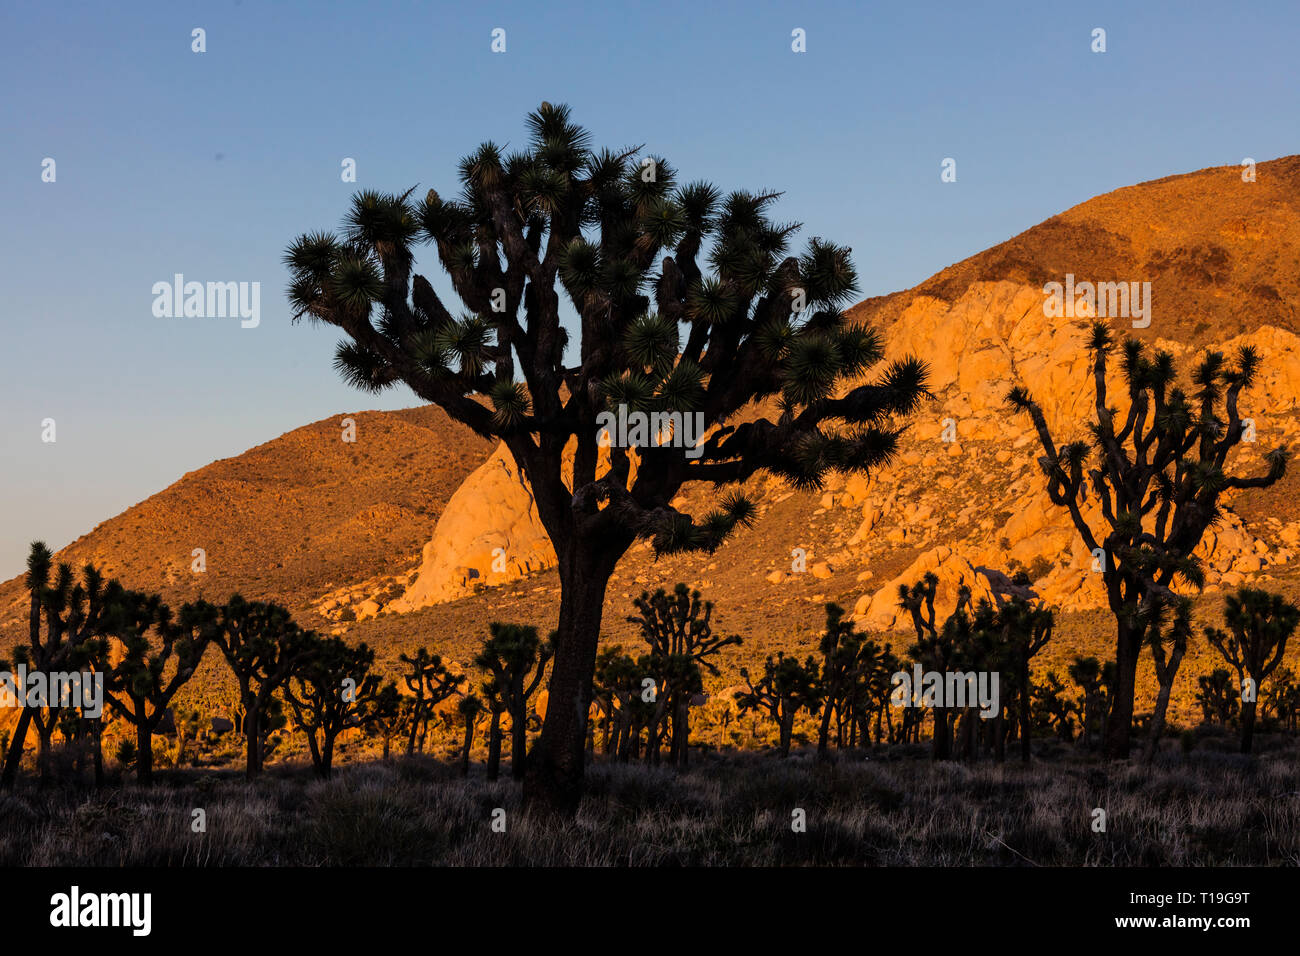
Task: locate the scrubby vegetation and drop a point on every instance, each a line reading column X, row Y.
column 889, row 806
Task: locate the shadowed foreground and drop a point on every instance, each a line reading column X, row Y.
column 1202, row 808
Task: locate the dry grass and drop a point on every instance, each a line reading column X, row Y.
column 893, row 809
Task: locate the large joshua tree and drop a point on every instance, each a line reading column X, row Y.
column 622, row 241
column 1157, row 477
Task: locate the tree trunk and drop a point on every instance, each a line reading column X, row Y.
column 1247, row 725
column 15, row 755
column 681, row 733
column 1152, row 745
column 1119, row 725
column 253, row 735
column 416, row 714
column 1026, row 700
column 144, row 750
column 327, row 754
column 824, row 734
column 553, row 780
column 494, row 747
column 787, row 729
column 317, row 763
column 942, row 748
column 97, row 734
column 518, row 741
column 469, row 742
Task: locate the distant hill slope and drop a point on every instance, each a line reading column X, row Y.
column 290, row 518
column 1222, row 255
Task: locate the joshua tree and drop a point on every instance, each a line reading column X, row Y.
column 869, row 696
column 141, row 685
column 431, row 682
column 469, row 708
column 1260, row 624
column 1283, row 699
column 75, row 616
column 329, row 694
column 1175, row 637
column 387, row 714
column 937, row 648
column 785, row 688
column 509, row 654
column 188, row 724
column 841, row 667
column 1089, row 674
column 1019, row 629
column 264, row 648
column 127, row 754
column 495, row 696
column 623, row 689
column 1216, row 696
column 679, row 631
column 1157, row 479
column 1052, row 711
column 621, row 239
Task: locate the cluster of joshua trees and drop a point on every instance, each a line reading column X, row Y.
column 847, row 693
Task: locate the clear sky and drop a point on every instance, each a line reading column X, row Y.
column 208, row 164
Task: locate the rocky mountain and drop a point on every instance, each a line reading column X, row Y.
column 965, row 492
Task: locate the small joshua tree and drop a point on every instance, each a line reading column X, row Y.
column 1158, row 477
column 387, row 715
column 658, row 332
column 937, row 648
column 495, row 696
column 469, row 707
column 841, row 667
column 1052, row 711
column 1027, row 627
column 430, row 682
column 75, row 616
column 264, row 648
column 623, row 689
column 1216, row 696
column 1259, row 625
column 516, row 659
column 1090, row 676
column 329, row 694
column 785, row 688
column 678, row 627
column 141, row 685
column 1160, row 637
column 1283, row 699
column 189, row 723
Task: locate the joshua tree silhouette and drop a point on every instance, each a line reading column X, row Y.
column 621, row 239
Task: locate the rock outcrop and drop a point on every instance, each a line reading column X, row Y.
column 489, row 533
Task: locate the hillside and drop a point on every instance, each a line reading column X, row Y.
column 290, row 518
column 1222, row 255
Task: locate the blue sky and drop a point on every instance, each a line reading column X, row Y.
column 208, row 164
